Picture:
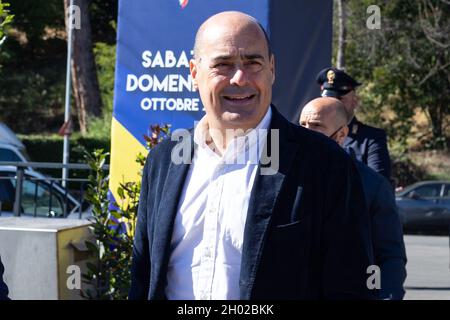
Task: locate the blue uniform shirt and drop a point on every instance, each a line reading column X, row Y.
column 370, row 146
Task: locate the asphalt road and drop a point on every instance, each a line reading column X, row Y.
column 428, row 267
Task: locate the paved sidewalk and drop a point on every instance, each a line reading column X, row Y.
column 428, row 268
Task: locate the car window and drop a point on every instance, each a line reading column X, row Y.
column 428, row 191
column 447, row 191
column 39, row 196
column 9, row 155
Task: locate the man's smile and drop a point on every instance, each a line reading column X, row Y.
column 239, row 99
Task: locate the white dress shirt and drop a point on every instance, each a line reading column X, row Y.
column 206, row 244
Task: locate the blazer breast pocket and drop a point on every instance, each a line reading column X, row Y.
column 287, row 244
column 285, row 235
column 288, row 226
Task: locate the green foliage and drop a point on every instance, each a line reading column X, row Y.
column 113, row 226
column 103, row 16
column 113, row 230
column 48, row 148
column 105, row 58
column 5, row 19
column 32, row 77
column 35, row 17
column 406, row 172
column 31, row 100
column 100, row 128
column 404, row 65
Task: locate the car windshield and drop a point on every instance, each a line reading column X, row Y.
column 9, row 155
column 428, row 191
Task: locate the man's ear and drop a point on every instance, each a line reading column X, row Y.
column 193, row 70
column 342, row 134
column 272, row 67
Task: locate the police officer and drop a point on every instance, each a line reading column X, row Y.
column 368, row 143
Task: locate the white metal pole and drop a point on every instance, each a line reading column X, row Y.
column 65, row 171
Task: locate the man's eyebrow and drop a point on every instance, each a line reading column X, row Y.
column 222, row 57
column 252, row 56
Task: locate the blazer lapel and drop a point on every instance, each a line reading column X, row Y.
column 164, row 222
column 263, row 198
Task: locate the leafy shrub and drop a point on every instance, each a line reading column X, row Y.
column 113, row 226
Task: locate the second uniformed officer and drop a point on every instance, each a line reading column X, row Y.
column 368, row 143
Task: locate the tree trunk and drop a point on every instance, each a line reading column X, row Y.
column 84, row 74
column 342, row 16
column 436, row 120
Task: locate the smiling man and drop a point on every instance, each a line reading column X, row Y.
column 219, row 228
column 234, row 76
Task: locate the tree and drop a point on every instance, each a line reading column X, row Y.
column 32, row 76
column 84, row 75
column 434, row 20
column 405, row 66
column 342, row 22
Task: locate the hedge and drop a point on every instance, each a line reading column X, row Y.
column 49, row 148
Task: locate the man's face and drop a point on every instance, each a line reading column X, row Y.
column 324, row 120
column 350, row 101
column 316, row 120
column 234, row 75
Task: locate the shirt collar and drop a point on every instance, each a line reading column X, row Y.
column 239, row 144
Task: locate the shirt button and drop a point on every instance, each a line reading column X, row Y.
column 203, row 296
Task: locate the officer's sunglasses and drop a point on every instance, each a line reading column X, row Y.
column 332, row 136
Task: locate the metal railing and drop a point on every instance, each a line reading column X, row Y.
column 67, row 201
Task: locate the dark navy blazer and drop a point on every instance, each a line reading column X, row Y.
column 387, row 234
column 370, row 146
column 3, row 287
column 307, row 233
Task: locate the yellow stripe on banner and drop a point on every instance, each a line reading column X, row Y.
column 124, row 149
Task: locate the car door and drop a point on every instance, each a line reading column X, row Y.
column 41, row 199
column 444, row 203
column 423, row 210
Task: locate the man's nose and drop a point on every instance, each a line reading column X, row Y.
column 239, row 77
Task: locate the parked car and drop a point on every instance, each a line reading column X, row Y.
column 425, row 206
column 11, row 148
column 40, row 196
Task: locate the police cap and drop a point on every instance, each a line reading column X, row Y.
column 335, row 82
